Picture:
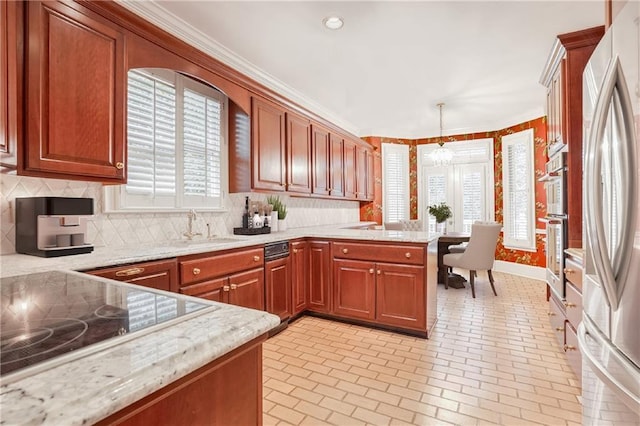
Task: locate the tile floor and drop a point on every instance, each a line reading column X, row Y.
column 490, row 360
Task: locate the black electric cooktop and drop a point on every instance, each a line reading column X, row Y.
column 49, row 316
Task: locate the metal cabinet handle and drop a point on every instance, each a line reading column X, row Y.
column 569, row 348
column 551, row 314
column 568, row 271
column 196, row 271
column 378, row 272
column 256, row 258
column 371, row 271
column 225, row 288
column 119, row 165
column 407, row 255
column 559, row 328
column 345, row 251
column 129, row 272
column 295, row 251
column 569, row 305
column 234, row 286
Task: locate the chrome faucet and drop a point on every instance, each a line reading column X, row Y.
column 191, row 215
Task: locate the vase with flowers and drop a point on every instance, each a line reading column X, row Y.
column 441, row 212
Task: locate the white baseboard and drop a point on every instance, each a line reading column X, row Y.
column 527, row 271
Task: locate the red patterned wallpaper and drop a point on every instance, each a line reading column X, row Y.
column 373, row 211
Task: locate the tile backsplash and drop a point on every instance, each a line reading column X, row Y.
column 119, row 229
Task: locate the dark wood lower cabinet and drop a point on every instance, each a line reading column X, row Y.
column 227, row 391
column 216, row 290
column 299, row 276
column 400, row 295
column 247, row 289
column 278, row 287
column 354, row 289
column 319, row 276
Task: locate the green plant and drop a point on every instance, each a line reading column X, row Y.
column 440, row 211
column 278, row 206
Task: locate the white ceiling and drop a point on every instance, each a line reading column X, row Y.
column 384, row 72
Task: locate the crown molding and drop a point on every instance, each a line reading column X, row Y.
column 157, row 15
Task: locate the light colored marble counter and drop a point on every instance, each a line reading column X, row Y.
column 92, row 387
column 18, row 264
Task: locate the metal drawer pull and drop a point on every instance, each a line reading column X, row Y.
column 371, row 271
column 295, row 251
column 196, row 271
column 569, row 271
column 234, row 286
column 569, row 348
column 256, row 258
column 119, row 165
column 407, row 255
column 378, row 271
column 345, row 251
column 551, row 314
column 559, row 328
column 225, row 288
column 569, row 305
column 129, row 272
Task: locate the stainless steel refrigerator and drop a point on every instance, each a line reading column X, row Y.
column 609, row 334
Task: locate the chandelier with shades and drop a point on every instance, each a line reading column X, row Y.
column 442, row 155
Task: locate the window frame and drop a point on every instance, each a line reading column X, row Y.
column 525, row 137
column 115, row 202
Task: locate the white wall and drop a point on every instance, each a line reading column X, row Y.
column 117, row 230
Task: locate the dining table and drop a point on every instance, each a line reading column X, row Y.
column 444, row 242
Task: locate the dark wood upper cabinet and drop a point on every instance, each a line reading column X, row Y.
column 298, row 154
column 268, row 136
column 371, row 177
column 11, row 73
column 319, row 160
column 361, row 172
column 75, row 94
column 349, row 169
column 336, row 178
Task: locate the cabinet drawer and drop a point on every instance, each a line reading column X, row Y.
column 573, row 305
column 573, row 272
column 162, row 274
column 574, row 357
column 557, row 319
column 205, row 268
column 413, row 255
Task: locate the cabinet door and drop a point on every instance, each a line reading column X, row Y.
column 217, row 290
column 268, row 141
column 354, row 289
column 11, row 73
column 349, row 169
column 298, row 154
column 361, row 172
column 319, row 276
column 371, row 177
column 247, row 289
column 299, row 276
column 162, row 275
column 400, row 295
column 278, row 287
column 75, row 94
column 337, row 166
column 319, row 160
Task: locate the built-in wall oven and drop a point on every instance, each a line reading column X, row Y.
column 556, row 221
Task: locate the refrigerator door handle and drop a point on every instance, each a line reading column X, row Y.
column 588, row 331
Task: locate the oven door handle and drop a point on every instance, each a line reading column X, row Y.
column 550, row 220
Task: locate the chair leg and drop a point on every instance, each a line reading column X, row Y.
column 446, row 279
column 491, row 281
column 473, row 289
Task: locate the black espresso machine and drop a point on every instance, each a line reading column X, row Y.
column 52, row 226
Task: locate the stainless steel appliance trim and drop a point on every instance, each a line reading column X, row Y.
column 587, row 330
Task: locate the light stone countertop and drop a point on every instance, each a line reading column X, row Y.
column 18, row 264
column 85, row 390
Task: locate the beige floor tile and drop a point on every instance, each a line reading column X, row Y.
column 490, row 360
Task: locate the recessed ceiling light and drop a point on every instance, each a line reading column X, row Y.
column 333, row 22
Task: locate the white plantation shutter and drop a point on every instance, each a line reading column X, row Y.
column 395, row 182
column 472, row 178
column 437, row 182
column 518, row 184
column 176, row 143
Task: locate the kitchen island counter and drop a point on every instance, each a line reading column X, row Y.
column 89, row 388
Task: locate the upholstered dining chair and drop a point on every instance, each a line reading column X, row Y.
column 479, row 254
column 393, row 226
column 412, row 225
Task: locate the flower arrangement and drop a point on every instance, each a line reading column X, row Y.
column 440, row 211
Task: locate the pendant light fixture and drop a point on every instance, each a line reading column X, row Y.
column 442, row 155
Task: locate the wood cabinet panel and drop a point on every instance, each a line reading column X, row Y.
column 203, row 267
column 11, row 75
column 354, row 289
column 247, row 289
column 319, row 276
column 278, row 287
column 361, row 172
column 349, row 169
column 75, row 94
column 336, row 187
column 227, row 391
column 298, row 154
column 572, row 351
column 409, row 254
column 300, row 276
column 573, row 305
column 400, row 295
column 557, row 319
column 371, row 178
column 269, row 145
column 161, row 275
column 319, row 160
column 216, row 290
